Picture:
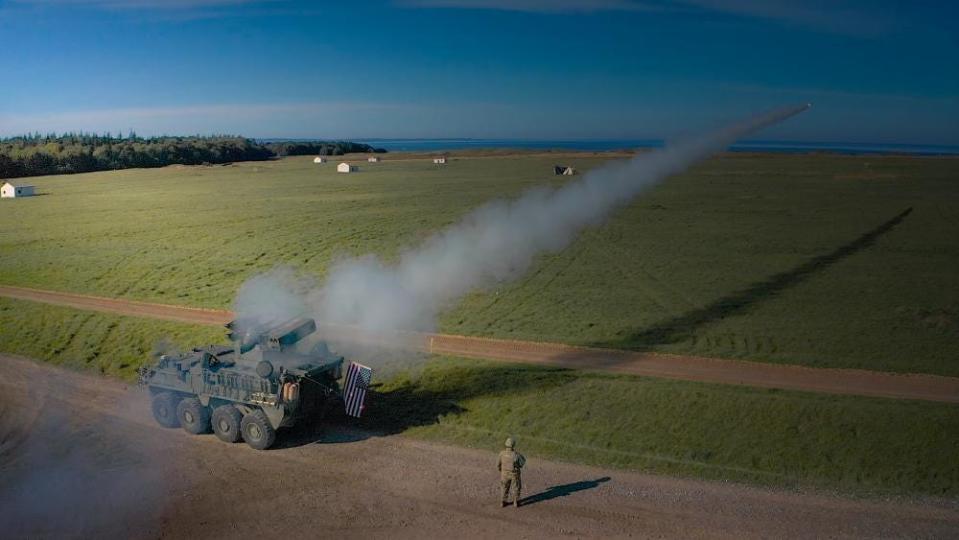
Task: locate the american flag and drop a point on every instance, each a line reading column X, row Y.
column 358, row 379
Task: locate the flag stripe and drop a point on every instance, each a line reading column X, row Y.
column 358, row 378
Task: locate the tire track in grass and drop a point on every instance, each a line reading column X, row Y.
column 574, row 256
column 184, row 265
column 81, row 322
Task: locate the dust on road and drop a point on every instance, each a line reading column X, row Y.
column 80, row 457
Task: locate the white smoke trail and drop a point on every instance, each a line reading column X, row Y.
column 494, row 243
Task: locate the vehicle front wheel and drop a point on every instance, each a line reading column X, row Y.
column 257, row 431
column 226, row 423
column 164, row 410
column 194, row 417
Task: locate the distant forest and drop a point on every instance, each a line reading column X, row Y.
column 319, row 148
column 35, row 155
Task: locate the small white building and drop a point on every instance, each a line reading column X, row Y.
column 9, row 191
column 439, row 160
column 345, row 167
column 319, row 159
column 373, row 159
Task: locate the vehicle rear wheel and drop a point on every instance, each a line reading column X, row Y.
column 226, row 423
column 257, row 431
column 164, row 410
column 194, row 417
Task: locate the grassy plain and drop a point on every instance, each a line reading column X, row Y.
column 90, row 341
column 779, row 438
column 778, row 258
column 799, row 259
column 791, row 439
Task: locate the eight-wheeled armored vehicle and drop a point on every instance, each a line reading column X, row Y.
column 262, row 382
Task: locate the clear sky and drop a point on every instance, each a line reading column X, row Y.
column 877, row 71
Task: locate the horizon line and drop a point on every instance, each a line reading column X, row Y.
column 658, row 140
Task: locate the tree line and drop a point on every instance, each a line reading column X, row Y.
column 319, row 148
column 35, row 155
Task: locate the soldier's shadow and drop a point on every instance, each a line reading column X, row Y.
column 564, row 490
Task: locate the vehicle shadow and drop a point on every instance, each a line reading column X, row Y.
column 421, row 401
column 564, row 490
column 684, row 326
column 318, row 433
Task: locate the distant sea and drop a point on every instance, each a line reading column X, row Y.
column 789, row 147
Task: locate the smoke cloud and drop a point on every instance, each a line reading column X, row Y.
column 494, row 243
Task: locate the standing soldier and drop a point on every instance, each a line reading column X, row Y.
column 510, row 467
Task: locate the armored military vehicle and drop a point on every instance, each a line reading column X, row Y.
column 262, row 382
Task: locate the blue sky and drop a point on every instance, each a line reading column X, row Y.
column 880, row 71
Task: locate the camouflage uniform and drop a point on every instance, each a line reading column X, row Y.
column 510, row 466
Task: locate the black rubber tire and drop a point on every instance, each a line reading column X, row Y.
column 194, row 417
column 226, row 423
column 264, row 368
column 257, row 431
column 164, row 410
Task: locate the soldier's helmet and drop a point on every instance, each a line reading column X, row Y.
column 510, row 443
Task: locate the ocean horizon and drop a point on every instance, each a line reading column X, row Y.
column 599, row 145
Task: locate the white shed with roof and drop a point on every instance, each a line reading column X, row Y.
column 11, row 191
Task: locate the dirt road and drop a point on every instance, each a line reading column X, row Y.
column 80, row 457
column 834, row 381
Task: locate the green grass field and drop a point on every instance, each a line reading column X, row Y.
column 792, row 439
column 777, row 258
column 799, row 259
column 90, row 341
column 786, row 439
